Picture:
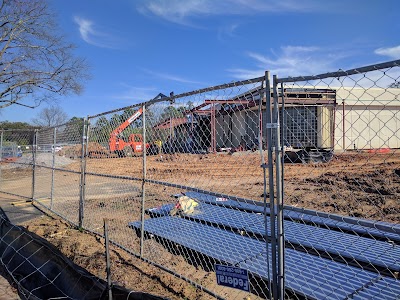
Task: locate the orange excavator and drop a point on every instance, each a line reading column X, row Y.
column 134, row 144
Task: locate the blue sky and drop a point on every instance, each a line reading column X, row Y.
column 139, row 48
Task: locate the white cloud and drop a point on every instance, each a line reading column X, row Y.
column 247, row 73
column 393, row 52
column 85, row 28
column 135, row 94
column 93, row 36
column 227, row 31
column 178, row 11
column 290, row 61
column 171, row 77
column 132, row 94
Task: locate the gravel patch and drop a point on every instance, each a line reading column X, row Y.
column 43, row 159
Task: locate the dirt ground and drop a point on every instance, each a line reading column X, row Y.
column 357, row 184
column 88, row 251
column 365, row 185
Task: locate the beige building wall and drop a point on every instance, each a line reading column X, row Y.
column 363, row 119
column 367, row 118
column 324, row 126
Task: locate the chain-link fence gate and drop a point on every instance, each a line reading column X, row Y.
column 250, row 189
column 340, row 133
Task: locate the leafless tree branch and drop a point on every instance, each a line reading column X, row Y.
column 35, row 60
column 50, row 116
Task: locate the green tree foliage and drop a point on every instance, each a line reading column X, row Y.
column 71, row 132
column 16, row 125
column 174, row 112
column 101, row 128
column 20, row 133
column 100, row 131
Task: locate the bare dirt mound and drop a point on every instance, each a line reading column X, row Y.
column 94, row 150
column 349, row 186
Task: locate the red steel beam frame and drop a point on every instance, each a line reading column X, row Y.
column 211, row 111
column 343, row 127
column 213, row 130
column 230, row 101
column 333, row 124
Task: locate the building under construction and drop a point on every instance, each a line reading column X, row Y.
column 339, row 119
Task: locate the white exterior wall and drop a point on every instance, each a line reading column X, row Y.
column 370, row 119
column 324, row 126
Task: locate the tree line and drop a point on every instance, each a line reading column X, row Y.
column 70, row 130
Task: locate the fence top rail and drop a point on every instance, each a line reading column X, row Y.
column 341, row 73
column 18, row 129
column 221, row 86
column 63, row 124
column 162, row 98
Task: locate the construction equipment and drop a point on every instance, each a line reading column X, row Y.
column 308, row 155
column 122, row 147
column 10, row 152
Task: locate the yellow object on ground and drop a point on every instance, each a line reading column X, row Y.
column 187, row 205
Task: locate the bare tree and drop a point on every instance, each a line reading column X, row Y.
column 50, row 116
column 35, row 61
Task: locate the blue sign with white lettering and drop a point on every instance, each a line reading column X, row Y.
column 232, row 277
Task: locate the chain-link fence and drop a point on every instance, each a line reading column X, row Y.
column 263, row 189
column 58, row 169
column 16, row 161
column 341, row 134
column 140, row 158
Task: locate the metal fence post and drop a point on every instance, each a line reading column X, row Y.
column 264, row 91
column 1, row 149
column 34, row 152
column 269, row 127
column 279, row 198
column 86, row 156
column 52, row 167
column 82, row 178
column 282, row 180
column 143, row 181
column 108, row 265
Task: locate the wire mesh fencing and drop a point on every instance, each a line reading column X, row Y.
column 268, row 189
column 16, row 160
column 58, row 168
column 210, row 159
column 143, row 159
column 114, row 173
column 40, row 271
column 341, row 176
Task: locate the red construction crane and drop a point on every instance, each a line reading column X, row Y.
column 134, row 144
